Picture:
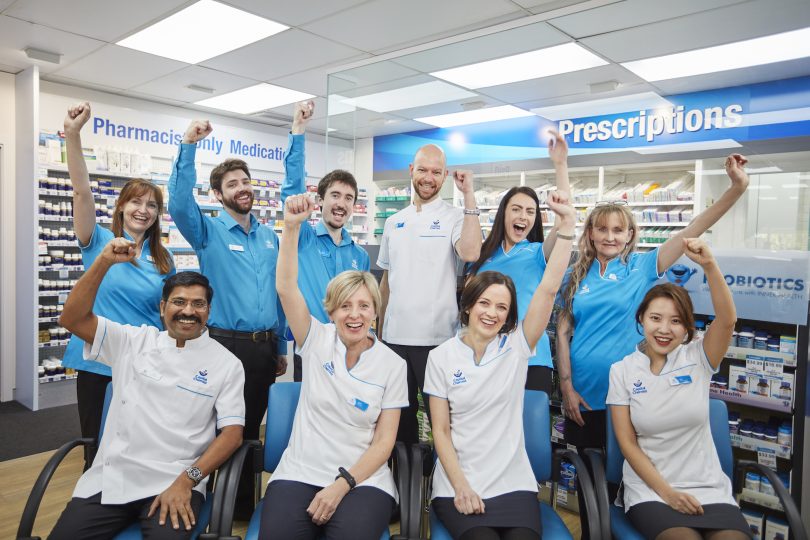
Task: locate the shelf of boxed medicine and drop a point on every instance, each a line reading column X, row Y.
column 762, row 499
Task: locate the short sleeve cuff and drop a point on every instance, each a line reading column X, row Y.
column 382, row 264
column 705, row 359
column 618, row 401
column 520, row 338
column 434, row 393
column 398, row 405
column 230, row 421
column 314, row 324
column 92, row 351
column 658, row 275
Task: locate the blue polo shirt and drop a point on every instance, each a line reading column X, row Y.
column 525, row 264
column 241, row 266
column 128, row 294
column 604, row 320
column 319, row 258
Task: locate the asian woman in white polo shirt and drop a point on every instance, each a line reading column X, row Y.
column 333, row 478
column 674, row 487
column 483, row 485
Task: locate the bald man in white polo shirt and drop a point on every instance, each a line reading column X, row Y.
column 171, row 391
column 420, row 250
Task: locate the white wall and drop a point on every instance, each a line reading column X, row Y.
column 7, row 230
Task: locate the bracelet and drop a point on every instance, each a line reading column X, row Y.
column 473, row 212
column 343, row 473
column 566, row 236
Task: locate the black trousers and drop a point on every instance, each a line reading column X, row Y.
column 540, row 378
column 90, row 390
column 259, row 362
column 415, row 357
column 88, row 519
column 363, row 513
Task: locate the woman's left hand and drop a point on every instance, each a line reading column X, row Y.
column 326, row 501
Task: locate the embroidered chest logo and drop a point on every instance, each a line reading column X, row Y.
column 269, row 244
column 435, row 225
column 585, row 289
column 202, row 376
column 459, row 378
column 613, row 277
column 355, row 265
column 401, row 225
column 330, row 368
column 638, row 387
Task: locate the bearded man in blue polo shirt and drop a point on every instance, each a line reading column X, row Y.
column 325, row 249
column 238, row 255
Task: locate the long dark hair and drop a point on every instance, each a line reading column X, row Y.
column 498, row 232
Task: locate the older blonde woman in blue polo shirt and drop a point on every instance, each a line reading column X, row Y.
column 130, row 293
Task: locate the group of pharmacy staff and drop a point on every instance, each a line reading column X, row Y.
column 354, row 384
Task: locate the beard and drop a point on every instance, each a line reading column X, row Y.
column 231, row 203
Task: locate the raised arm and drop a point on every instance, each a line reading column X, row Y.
column 297, row 210
column 468, row 246
column 672, row 249
column 183, row 207
column 539, row 311
column 295, row 157
column 558, row 152
column 78, row 317
column 84, row 206
column 715, row 344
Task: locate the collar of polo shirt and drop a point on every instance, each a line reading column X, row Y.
column 229, row 222
column 321, row 230
column 167, row 342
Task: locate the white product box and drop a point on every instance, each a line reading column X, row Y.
column 754, row 520
column 775, row 529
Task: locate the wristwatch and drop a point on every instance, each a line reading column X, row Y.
column 343, row 473
column 473, row 212
column 195, row 475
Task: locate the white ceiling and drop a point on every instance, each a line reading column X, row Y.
column 326, row 35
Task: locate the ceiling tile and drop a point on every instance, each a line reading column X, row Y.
column 285, row 53
column 100, row 19
column 4, row 4
column 98, row 87
column 312, row 81
column 716, row 27
column 517, row 40
column 119, row 67
column 294, row 13
column 631, row 13
column 370, row 76
column 737, row 77
column 449, row 107
column 542, row 6
column 174, row 85
column 420, row 21
column 287, row 110
column 10, row 69
column 16, row 35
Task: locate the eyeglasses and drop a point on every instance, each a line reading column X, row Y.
column 617, row 202
column 196, row 305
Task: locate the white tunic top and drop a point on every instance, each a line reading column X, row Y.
column 486, row 413
column 418, row 250
column 167, row 403
column 338, row 409
column 670, row 413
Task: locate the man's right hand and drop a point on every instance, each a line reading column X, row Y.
column 197, row 131
column 297, row 209
column 118, row 250
column 301, row 116
column 77, row 117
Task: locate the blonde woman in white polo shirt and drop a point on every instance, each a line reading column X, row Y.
column 674, row 486
column 333, row 478
column 483, row 486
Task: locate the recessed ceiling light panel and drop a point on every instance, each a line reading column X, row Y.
column 409, row 97
column 254, row 99
column 478, row 116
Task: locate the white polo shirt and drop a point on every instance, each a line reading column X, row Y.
column 670, row 414
column 338, row 409
column 167, row 402
column 486, row 413
column 418, row 250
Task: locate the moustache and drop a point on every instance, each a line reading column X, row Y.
column 191, row 318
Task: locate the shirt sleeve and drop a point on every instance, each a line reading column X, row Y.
column 541, row 258
column 114, row 341
column 294, row 173
column 311, row 344
column 646, row 263
column 230, row 404
column 395, row 395
column 383, row 256
column 182, row 206
column 435, row 384
column 618, row 394
column 697, row 353
column 98, row 239
column 518, row 339
column 365, row 262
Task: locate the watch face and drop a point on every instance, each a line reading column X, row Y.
column 194, row 473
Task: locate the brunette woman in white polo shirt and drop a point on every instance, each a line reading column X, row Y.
column 333, row 478
column 483, row 486
column 674, row 487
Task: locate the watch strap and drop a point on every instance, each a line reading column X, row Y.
column 343, row 473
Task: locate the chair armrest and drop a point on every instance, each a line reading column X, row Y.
column 794, row 518
column 600, row 486
column 225, row 500
column 421, row 465
column 35, row 498
column 585, row 485
column 403, row 482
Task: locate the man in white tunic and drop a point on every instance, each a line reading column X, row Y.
column 171, row 391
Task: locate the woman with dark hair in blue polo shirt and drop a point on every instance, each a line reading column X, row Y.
column 130, row 293
column 515, row 247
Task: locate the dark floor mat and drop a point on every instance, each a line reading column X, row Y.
column 24, row 432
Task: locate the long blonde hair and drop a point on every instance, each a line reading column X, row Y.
column 587, row 252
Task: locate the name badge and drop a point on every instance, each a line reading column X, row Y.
column 236, row 247
column 360, row 404
column 680, row 379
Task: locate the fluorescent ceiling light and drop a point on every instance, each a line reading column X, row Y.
column 599, row 107
column 409, row 97
column 794, row 186
column 254, row 99
column 522, row 67
column 686, row 147
column 722, row 172
column 742, row 54
column 477, row 116
column 202, row 31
